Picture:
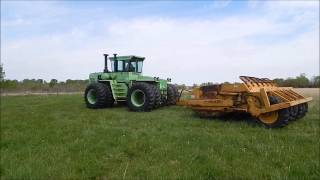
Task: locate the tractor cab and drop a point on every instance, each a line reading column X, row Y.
column 124, row 63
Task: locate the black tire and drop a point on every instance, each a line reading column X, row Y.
column 301, row 111
column 305, row 109
column 293, row 112
column 283, row 115
column 176, row 93
column 172, row 94
column 141, row 97
column 157, row 96
column 98, row 95
column 273, row 100
column 163, row 100
column 283, row 118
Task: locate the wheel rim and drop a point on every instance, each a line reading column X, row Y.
column 92, row 96
column 269, row 118
column 138, row 98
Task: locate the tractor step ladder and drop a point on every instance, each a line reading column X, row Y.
column 120, row 90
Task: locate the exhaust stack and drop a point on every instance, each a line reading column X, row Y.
column 105, row 63
column 115, row 62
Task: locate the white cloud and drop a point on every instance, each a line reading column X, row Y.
column 253, row 3
column 221, row 4
column 188, row 51
column 19, row 13
column 292, row 5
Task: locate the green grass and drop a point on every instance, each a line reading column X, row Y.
column 57, row 137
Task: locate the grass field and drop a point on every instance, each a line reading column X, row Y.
column 57, row 137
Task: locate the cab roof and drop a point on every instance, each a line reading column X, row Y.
column 127, row 58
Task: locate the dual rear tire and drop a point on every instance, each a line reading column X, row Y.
column 141, row 96
column 280, row 118
column 302, row 110
column 172, row 95
column 275, row 119
column 144, row 96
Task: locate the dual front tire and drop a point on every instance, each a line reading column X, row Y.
column 141, row 97
column 98, row 95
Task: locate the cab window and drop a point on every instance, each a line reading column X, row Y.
column 120, row 66
column 130, row 66
column 139, row 68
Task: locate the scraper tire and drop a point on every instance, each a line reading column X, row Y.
column 301, row 111
column 275, row 119
column 293, row 112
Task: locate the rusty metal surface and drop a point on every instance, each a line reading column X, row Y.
column 210, row 91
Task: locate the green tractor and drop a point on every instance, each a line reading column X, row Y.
column 125, row 83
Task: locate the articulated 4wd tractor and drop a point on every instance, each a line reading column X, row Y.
column 125, row 83
column 271, row 105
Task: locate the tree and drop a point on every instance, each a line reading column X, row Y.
column 2, row 73
column 40, row 81
column 315, row 81
column 299, row 82
column 302, row 80
column 52, row 83
column 279, row 81
column 9, row 84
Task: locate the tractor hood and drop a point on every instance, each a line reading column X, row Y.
column 149, row 78
column 162, row 82
column 146, row 78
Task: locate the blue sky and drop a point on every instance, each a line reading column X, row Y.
column 189, row 41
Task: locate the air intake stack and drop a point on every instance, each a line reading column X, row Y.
column 105, row 63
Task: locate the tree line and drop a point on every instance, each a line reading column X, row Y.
column 40, row 85
column 301, row 81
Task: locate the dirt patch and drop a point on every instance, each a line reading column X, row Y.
column 313, row 92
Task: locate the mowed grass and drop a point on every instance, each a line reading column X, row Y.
column 57, row 137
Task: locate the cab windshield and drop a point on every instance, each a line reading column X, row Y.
column 126, row 66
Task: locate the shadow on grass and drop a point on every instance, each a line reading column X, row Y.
column 120, row 104
column 234, row 117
